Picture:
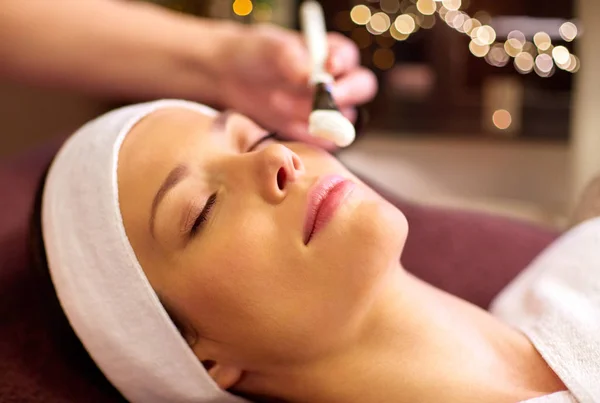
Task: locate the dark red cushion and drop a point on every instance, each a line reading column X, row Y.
column 469, row 254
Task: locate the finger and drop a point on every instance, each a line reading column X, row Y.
column 355, row 88
column 343, row 54
column 349, row 113
column 291, row 105
column 285, row 54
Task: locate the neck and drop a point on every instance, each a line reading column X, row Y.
column 421, row 344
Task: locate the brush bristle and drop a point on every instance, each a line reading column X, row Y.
column 331, row 125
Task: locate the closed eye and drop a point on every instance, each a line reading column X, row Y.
column 204, row 215
column 270, row 136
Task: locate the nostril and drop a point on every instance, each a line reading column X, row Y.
column 281, row 178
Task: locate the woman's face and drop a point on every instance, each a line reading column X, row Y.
column 218, row 221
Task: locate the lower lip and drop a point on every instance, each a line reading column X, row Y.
column 329, row 206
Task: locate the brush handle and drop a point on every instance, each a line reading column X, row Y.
column 312, row 21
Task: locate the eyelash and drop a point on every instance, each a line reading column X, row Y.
column 203, row 216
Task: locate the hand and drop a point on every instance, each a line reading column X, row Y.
column 264, row 74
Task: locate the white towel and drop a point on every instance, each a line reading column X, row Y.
column 100, row 283
column 556, row 303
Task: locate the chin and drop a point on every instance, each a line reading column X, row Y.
column 366, row 245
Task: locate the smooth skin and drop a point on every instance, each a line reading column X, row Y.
column 334, row 320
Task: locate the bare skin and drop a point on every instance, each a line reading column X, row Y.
column 333, row 320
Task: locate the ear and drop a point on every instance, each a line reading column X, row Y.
column 224, row 375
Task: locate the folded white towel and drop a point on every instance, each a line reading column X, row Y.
column 556, row 303
column 98, row 279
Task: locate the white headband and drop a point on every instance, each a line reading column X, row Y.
column 98, row 279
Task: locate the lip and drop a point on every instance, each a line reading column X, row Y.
column 324, row 199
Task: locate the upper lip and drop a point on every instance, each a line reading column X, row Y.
column 316, row 195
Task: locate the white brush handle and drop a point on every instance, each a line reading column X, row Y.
column 315, row 33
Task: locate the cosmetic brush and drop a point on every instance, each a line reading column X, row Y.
column 325, row 121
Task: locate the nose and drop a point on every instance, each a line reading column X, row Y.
column 280, row 167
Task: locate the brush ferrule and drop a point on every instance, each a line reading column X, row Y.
column 323, row 99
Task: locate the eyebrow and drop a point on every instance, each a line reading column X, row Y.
column 177, row 174
column 181, row 171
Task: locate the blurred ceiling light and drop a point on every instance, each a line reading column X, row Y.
column 479, row 50
column 380, row 22
column 383, row 58
column 361, row 37
column 568, row 31
column 502, row 119
column 524, row 63
column 426, row 7
column 561, row 55
column 360, row 14
column 544, row 63
column 397, row 35
column 404, row 24
column 390, row 6
column 497, row 56
column 242, row 7
column 452, row 4
column 542, row 40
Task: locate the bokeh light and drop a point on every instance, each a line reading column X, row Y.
column 478, row 50
column 561, row 56
column 383, row 58
column 524, row 63
column 502, row 119
column 544, row 63
column 405, row 24
column 361, row 37
column 428, row 21
column 484, row 35
column 470, row 25
column 360, row 14
column 568, row 31
column 517, row 36
column 242, row 7
column 426, row 7
column 389, row 6
column 399, row 36
column 574, row 64
column 542, row 40
column 385, row 40
column 513, row 47
column 380, row 22
column 497, row 56
column 452, row 4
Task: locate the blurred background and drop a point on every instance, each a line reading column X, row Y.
column 483, row 104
